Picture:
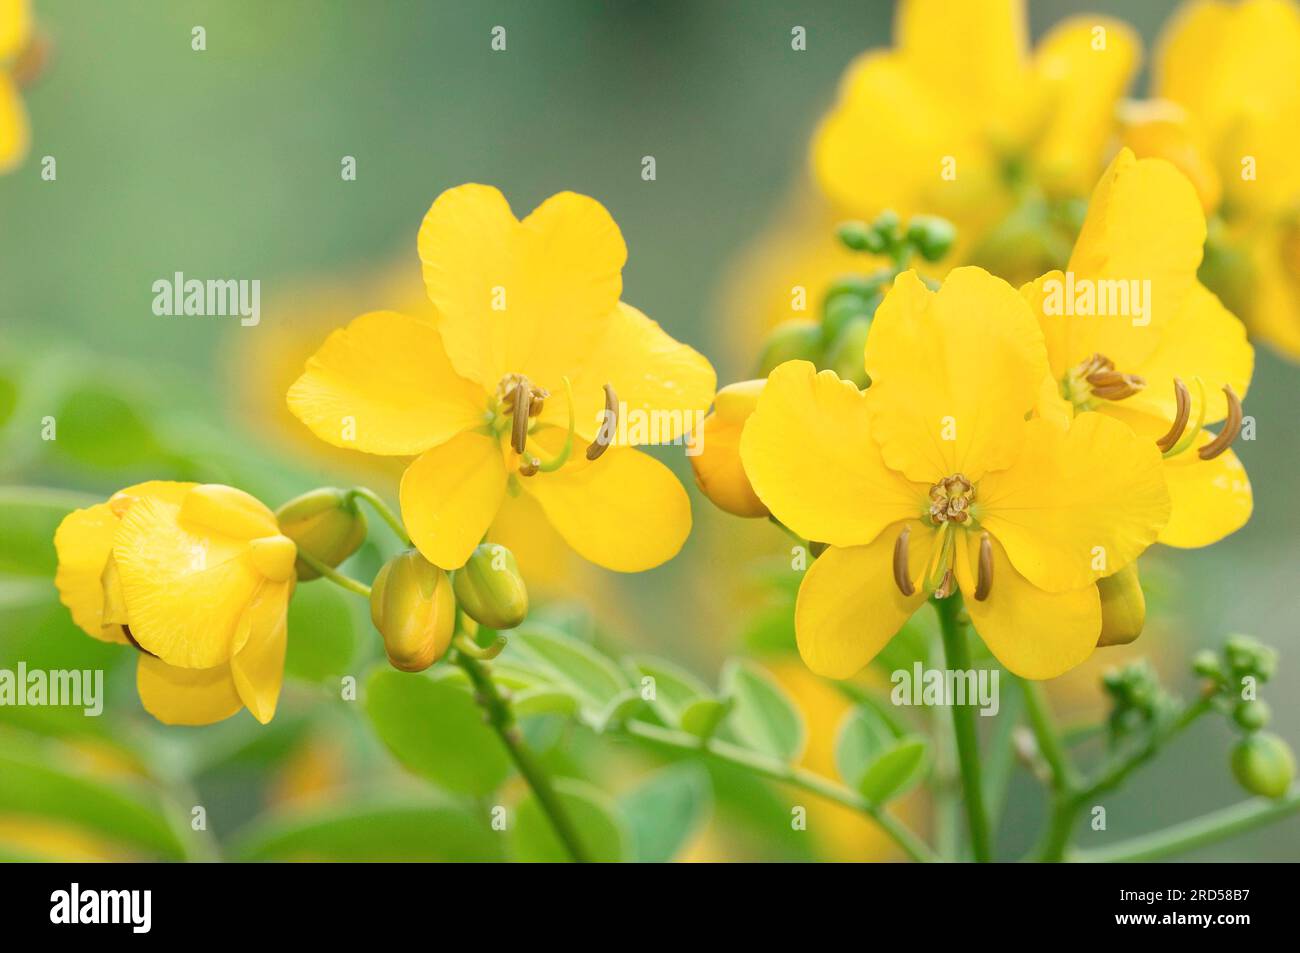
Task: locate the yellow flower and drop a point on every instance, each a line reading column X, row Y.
column 961, row 119
column 934, row 480
column 1226, row 83
column 16, row 35
column 1129, row 317
column 527, row 314
column 719, row 472
column 198, row 578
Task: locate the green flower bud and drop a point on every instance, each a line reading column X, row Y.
column 1206, row 664
column 412, row 606
column 489, row 588
column 798, row 339
column 864, row 286
column 845, row 355
column 325, row 524
column 1263, row 764
column 932, row 236
column 1251, row 715
column 886, row 223
column 1249, row 656
column 859, row 236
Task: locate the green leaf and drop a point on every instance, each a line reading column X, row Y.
column 895, row 770
column 99, row 427
column 618, row 710
column 674, row 687
column 666, row 811
column 863, row 736
column 374, row 833
column 595, row 679
column 702, row 716
column 763, row 717
column 600, row 828
column 544, row 701
column 30, row 515
column 322, row 632
column 435, row 729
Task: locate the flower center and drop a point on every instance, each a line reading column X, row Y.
column 518, row 402
column 1096, row 379
column 950, row 500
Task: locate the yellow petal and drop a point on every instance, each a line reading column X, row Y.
column 954, row 374
column 186, row 696
column 1084, row 64
column 1079, row 504
column 1162, row 129
column 1274, row 313
column 531, row 297
column 719, row 472
column 450, row 495
column 15, row 27
column 810, row 456
column 735, row 402
column 625, row 511
column 84, row 542
column 258, row 668
column 273, row 557
column 849, row 606
column 15, row 136
column 662, row 384
column 1210, row 498
column 1035, row 634
column 185, row 588
column 213, row 508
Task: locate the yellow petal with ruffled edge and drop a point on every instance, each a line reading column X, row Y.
column 849, row 605
column 1079, row 504
column 809, row 453
column 384, row 385
column 1211, row 498
column 662, row 385
column 954, row 373
column 258, row 668
column 84, row 541
column 15, row 135
column 532, row 297
column 450, row 495
column 186, row 696
column 1035, row 634
column 625, row 511
column 1162, row 129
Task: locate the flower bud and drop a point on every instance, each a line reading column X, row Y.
column 718, row 470
column 412, row 606
column 1263, row 764
column 846, row 355
column 326, row 524
column 1123, row 607
column 1251, row 715
column 859, row 236
column 489, row 588
column 798, row 339
column 932, row 236
column 1206, row 664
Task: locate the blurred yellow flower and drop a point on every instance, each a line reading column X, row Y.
column 17, row 43
column 530, row 347
column 1226, row 85
column 198, row 577
column 934, row 479
column 1151, row 322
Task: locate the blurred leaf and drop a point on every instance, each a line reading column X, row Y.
column 436, row 730
column 618, row 710
column 702, row 716
column 544, row 701
column 38, row 789
column 911, row 644
column 30, row 515
column 666, row 811
column 374, row 833
column 322, row 632
column 863, row 736
column 895, row 770
column 763, row 716
column 99, row 427
column 674, row 687
column 600, row 828
column 595, row 679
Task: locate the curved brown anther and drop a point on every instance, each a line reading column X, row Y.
column 1112, row 385
column 984, row 584
column 900, row 564
column 1184, row 411
column 608, row 425
column 945, row 586
column 528, row 466
column 521, row 398
column 1231, row 427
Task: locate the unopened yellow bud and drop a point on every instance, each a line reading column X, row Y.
column 326, row 524
column 718, row 470
column 412, row 606
column 489, row 588
column 1123, row 607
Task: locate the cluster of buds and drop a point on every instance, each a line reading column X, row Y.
column 1138, row 699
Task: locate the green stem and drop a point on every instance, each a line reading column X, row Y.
column 1200, row 832
column 502, row 719
column 385, row 512
column 334, row 576
column 776, row 770
column 1064, row 776
column 957, row 658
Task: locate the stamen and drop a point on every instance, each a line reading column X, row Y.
column 1231, row 428
column 900, row 564
column 945, row 587
column 522, row 397
column 608, row 426
column 1112, row 385
column 984, row 584
column 529, row 466
column 1184, row 399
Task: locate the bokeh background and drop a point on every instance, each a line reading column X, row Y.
column 226, row 163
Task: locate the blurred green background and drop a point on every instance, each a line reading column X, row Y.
column 226, row 163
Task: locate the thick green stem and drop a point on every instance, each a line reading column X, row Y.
column 776, row 770
column 502, row 719
column 385, row 512
column 334, row 576
column 957, row 658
